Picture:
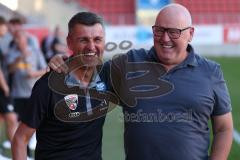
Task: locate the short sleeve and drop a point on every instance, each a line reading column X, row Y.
column 38, row 103
column 221, row 94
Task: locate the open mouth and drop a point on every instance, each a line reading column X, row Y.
column 167, row 46
column 90, row 59
column 90, row 54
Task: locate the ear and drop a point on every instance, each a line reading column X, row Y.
column 69, row 42
column 191, row 34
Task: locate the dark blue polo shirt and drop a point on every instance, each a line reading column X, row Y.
column 174, row 125
column 60, row 135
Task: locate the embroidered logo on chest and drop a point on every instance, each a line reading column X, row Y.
column 71, row 101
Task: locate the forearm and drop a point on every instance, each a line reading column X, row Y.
column 19, row 149
column 20, row 141
column 3, row 83
column 221, row 146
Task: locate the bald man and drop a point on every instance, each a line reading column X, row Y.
column 177, row 93
column 174, row 126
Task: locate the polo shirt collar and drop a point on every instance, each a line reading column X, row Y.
column 191, row 58
column 72, row 81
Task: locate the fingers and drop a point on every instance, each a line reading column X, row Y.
column 58, row 67
column 57, row 64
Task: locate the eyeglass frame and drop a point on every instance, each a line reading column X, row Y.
column 167, row 30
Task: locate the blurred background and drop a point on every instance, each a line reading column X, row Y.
column 216, row 21
column 217, row 36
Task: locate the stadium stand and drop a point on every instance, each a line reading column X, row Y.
column 204, row 12
column 120, row 12
column 214, row 11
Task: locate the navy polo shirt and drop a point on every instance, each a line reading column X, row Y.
column 59, row 134
column 174, row 125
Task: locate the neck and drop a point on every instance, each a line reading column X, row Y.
column 171, row 64
column 84, row 74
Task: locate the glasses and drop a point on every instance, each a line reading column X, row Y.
column 173, row 33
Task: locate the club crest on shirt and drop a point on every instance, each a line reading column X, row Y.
column 71, row 101
column 101, row 86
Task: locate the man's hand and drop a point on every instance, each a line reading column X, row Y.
column 57, row 63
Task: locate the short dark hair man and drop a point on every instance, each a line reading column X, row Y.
column 59, row 135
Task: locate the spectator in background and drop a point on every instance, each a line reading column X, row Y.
column 3, row 32
column 26, row 64
column 16, row 24
column 52, row 44
column 5, row 37
column 6, row 109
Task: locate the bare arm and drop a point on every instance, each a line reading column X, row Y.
column 20, row 141
column 3, row 84
column 222, row 136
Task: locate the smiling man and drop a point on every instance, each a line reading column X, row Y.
column 171, row 35
column 179, row 129
column 54, row 111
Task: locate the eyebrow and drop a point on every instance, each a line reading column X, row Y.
column 86, row 37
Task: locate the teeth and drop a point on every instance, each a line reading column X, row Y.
column 167, row 46
column 90, row 54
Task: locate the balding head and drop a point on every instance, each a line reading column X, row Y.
column 174, row 15
column 173, row 31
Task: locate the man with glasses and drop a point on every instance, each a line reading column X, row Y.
column 173, row 124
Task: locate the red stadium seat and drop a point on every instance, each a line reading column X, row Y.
column 214, row 11
column 121, row 12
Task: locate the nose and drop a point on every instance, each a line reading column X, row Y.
column 91, row 46
column 165, row 37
